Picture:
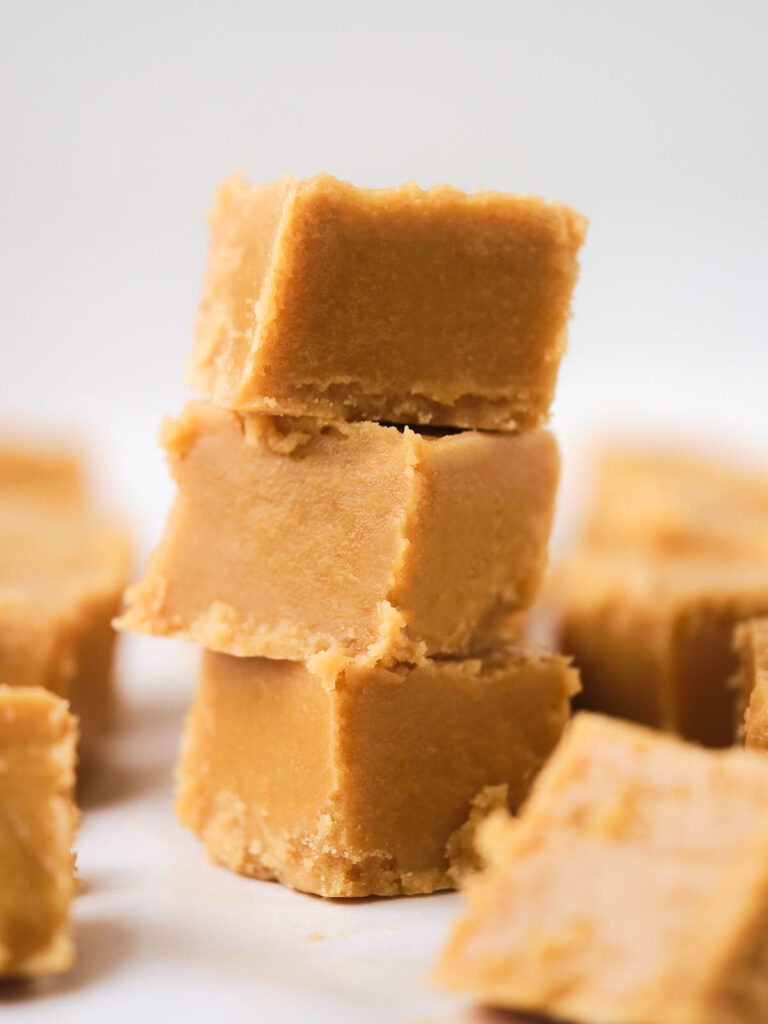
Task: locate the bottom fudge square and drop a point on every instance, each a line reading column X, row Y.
column 751, row 682
column 370, row 784
column 632, row 889
column 38, row 738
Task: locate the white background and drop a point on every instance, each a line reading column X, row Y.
column 116, row 122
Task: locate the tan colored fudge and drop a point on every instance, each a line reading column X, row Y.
column 676, row 504
column 751, row 682
column 632, row 889
column 39, row 473
column 347, row 542
column 363, row 785
column 652, row 636
column 38, row 738
column 399, row 305
column 62, row 572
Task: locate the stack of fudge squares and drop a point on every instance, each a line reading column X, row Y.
column 365, row 496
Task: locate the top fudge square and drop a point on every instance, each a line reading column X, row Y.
column 399, row 305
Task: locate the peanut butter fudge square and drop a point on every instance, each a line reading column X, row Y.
column 346, row 542
column 653, row 636
column 63, row 567
column 61, row 581
column 632, row 889
column 38, row 739
column 370, row 783
column 399, row 304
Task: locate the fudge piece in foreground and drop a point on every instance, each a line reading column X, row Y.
column 365, row 785
column 38, row 737
column 632, row 889
column 400, row 304
column 353, row 541
column 676, row 504
column 653, row 637
column 61, row 580
column 751, row 682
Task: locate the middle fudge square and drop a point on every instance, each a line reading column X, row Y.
column 371, row 783
column 347, row 542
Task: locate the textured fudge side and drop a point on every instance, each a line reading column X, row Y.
column 673, row 504
column 652, row 637
column 633, row 888
column 293, row 539
column 38, row 737
column 400, row 304
column 751, row 683
column 363, row 786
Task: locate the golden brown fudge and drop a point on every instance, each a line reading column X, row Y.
column 632, row 889
column 36, row 473
column 347, row 542
column 652, row 636
column 400, row 304
column 38, row 737
column 62, row 572
column 671, row 503
column 751, row 681
column 362, row 785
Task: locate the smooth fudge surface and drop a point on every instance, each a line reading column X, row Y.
column 351, row 542
column 38, row 738
column 653, row 636
column 398, row 304
column 368, row 784
column 660, row 500
column 632, row 889
column 751, row 682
